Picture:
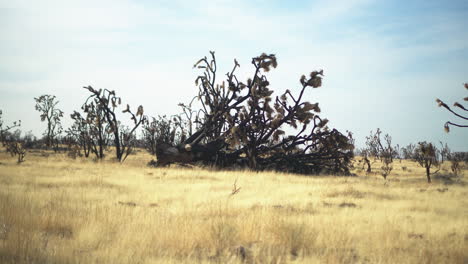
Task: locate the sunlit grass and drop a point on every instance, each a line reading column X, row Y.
column 58, row 210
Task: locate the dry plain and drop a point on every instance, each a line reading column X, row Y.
column 54, row 209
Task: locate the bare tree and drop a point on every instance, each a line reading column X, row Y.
column 163, row 130
column 92, row 131
column 189, row 116
column 98, row 128
column 444, row 152
column 89, row 133
column 371, row 151
column 107, row 102
column 397, row 152
column 240, row 123
column 456, row 104
column 381, row 149
column 29, row 140
column 16, row 148
column 456, row 159
column 12, row 141
column 408, row 151
column 4, row 128
column 80, row 134
column 47, row 106
column 15, row 145
column 366, row 161
column 427, row 156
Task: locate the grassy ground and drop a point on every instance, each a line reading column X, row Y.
column 57, row 210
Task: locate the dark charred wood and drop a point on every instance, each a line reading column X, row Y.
column 241, row 125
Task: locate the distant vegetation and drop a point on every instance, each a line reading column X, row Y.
column 228, row 125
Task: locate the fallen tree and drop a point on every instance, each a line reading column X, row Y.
column 241, row 124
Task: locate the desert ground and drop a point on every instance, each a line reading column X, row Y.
column 54, row 209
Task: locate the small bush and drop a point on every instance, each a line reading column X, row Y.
column 223, row 235
column 16, row 149
column 294, row 237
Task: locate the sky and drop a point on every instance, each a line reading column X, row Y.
column 385, row 62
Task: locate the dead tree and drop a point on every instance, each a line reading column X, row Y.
column 79, row 133
column 5, row 129
column 427, row 156
column 163, row 130
column 15, row 148
column 372, row 150
column 91, row 132
column 408, row 152
column 380, row 149
column 387, row 155
column 456, row 160
column 12, row 141
column 190, row 116
column 98, row 128
column 242, row 124
column 107, row 102
column 47, row 106
column 397, row 152
column 456, row 104
column 366, row 160
column 444, row 152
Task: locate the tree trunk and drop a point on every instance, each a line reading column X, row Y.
column 366, row 160
column 428, row 174
column 167, row 154
column 118, row 152
column 185, row 153
column 49, row 133
column 86, row 149
column 100, row 141
column 251, row 155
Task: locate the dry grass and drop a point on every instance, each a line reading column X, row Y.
column 57, row 210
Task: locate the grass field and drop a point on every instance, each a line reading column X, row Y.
column 57, row 210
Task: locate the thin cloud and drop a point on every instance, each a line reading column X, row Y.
column 144, row 51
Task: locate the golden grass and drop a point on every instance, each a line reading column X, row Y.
column 57, row 210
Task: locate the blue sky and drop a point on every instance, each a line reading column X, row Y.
column 385, row 62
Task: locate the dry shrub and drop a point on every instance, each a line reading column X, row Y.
column 223, row 235
column 295, row 239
